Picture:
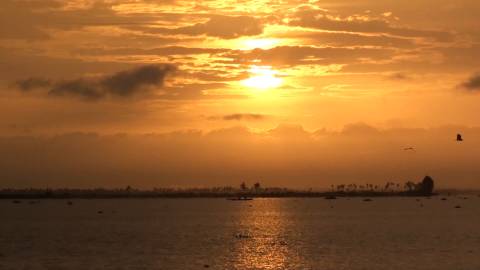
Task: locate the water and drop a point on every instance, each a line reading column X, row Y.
column 387, row 233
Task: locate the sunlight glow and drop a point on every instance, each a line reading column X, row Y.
column 263, row 77
column 264, row 43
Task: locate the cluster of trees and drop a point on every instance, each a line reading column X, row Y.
column 426, row 186
column 255, row 187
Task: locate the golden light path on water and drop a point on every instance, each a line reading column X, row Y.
column 262, row 242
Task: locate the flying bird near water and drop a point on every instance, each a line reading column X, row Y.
column 459, row 138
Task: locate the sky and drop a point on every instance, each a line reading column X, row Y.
column 155, row 93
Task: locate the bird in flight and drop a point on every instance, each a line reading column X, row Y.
column 459, row 138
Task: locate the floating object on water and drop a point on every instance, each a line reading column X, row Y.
column 241, row 236
column 70, row 203
column 367, row 200
column 206, row 266
column 100, row 212
column 16, row 201
column 330, row 197
column 459, row 137
column 409, row 149
column 443, row 199
column 241, row 198
column 458, row 206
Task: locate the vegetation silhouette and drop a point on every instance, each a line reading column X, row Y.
column 423, row 188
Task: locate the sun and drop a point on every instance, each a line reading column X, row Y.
column 262, row 78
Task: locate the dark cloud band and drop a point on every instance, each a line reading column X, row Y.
column 473, row 83
column 121, row 84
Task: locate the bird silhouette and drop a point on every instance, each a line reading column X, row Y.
column 459, row 138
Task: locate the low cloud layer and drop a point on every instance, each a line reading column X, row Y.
column 121, row 84
column 284, row 156
column 240, row 117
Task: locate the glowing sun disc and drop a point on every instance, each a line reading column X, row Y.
column 263, row 77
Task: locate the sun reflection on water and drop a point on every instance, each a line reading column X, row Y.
column 261, row 240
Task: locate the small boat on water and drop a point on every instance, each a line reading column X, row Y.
column 240, row 198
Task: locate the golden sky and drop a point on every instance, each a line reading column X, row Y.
column 310, row 81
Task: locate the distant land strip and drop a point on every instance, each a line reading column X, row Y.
column 114, row 194
column 423, row 188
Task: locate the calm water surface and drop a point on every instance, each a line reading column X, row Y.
column 387, row 233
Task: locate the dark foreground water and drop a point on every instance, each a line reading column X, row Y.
column 387, row 233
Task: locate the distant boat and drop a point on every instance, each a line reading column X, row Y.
column 330, row 197
column 241, row 198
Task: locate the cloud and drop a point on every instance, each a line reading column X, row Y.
column 16, row 19
column 226, row 27
column 126, row 83
column 345, row 39
column 400, row 76
column 289, row 131
column 32, row 83
column 81, row 87
column 240, row 117
column 359, row 129
column 169, row 50
column 121, row 84
column 310, row 55
column 473, row 83
column 325, row 20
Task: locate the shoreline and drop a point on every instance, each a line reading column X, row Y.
column 180, row 195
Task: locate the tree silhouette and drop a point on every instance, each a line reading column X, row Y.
column 427, row 185
column 243, row 186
